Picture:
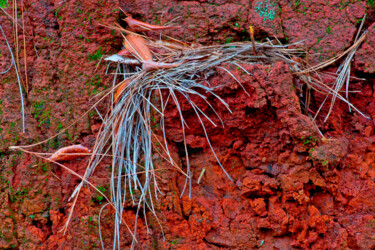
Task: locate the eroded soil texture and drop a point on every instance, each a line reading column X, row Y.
column 291, row 189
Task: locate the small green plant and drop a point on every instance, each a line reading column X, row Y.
column 371, row 223
column 310, row 151
column 3, row 3
column 297, row 3
column 229, row 40
column 308, row 140
column 329, row 30
column 45, row 167
column 57, row 201
column 97, row 55
column 17, row 196
column 99, row 197
column 266, row 9
column 41, row 114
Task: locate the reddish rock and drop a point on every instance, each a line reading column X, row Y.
column 360, row 230
column 259, row 206
column 363, row 59
column 320, row 24
column 324, row 202
column 329, row 154
column 237, row 144
column 277, row 217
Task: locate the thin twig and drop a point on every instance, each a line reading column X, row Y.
column 18, row 78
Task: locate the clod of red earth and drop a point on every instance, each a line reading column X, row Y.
column 139, row 26
column 325, row 27
column 282, row 195
column 329, row 154
column 364, row 59
column 202, row 21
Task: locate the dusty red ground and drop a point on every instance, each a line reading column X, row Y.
column 291, row 189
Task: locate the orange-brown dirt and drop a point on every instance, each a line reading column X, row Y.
column 291, row 189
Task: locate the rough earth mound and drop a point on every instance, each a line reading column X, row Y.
column 291, row 188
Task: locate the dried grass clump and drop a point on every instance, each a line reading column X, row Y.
column 176, row 69
column 314, row 77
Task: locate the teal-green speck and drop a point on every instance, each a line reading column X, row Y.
column 266, row 9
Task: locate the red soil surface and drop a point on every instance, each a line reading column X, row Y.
column 291, row 189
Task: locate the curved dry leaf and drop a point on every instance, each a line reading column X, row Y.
column 125, row 52
column 151, row 65
column 140, row 26
column 120, row 89
column 70, row 153
column 173, row 44
column 120, row 59
column 137, row 46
